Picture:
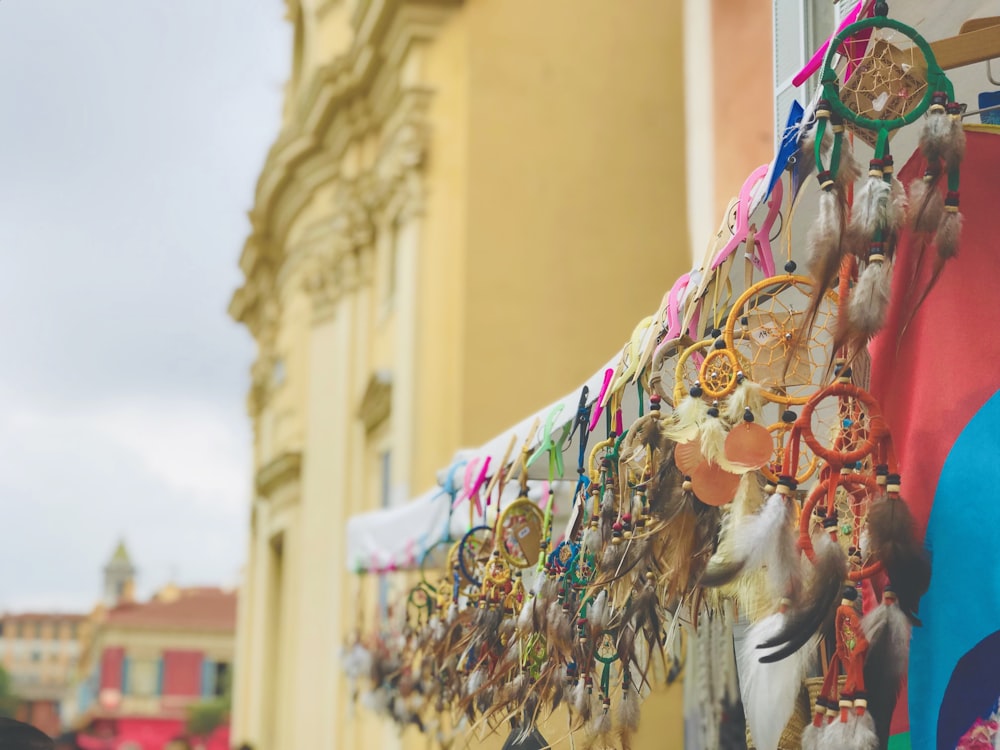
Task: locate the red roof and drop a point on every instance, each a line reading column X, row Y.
column 43, row 616
column 193, row 609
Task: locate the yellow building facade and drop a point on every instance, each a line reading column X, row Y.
column 468, row 208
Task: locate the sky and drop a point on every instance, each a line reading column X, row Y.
column 132, row 133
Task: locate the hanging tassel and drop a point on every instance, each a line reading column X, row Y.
column 937, row 131
column 869, row 300
column 819, row 599
column 756, row 542
column 899, row 202
column 559, row 629
column 892, row 531
column 888, row 632
column 926, row 204
column 769, row 691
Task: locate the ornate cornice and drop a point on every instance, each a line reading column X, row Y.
column 320, row 128
column 376, row 403
column 284, row 469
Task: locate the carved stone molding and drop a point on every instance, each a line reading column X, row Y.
column 281, row 470
column 376, row 403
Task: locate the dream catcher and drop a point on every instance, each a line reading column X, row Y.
column 854, row 530
column 881, row 75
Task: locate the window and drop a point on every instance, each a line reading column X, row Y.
column 222, row 678
column 800, row 28
column 144, row 677
column 38, row 630
column 36, row 655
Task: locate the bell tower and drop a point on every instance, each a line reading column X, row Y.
column 119, row 578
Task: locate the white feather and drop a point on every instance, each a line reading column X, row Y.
column 863, row 734
column 769, row 691
column 713, row 440
column 580, row 697
column 629, row 711
column 688, row 415
column 810, row 736
column 869, row 299
column 870, row 212
column 452, row 612
column 600, row 725
column 747, row 394
column 475, row 681
column 756, row 539
column 935, row 135
column 598, row 614
column 837, row 735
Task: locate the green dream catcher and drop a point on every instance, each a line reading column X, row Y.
column 880, row 75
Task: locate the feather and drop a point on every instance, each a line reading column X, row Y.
column 862, row 731
column 870, row 213
column 452, row 612
column 591, row 541
column 755, row 541
column 811, row 735
column 560, row 629
column 953, row 149
column 869, row 301
column 748, row 395
column 888, row 632
column 712, row 435
column 612, row 558
column 600, row 725
column 525, row 620
column 819, row 600
column 580, row 698
column 948, row 234
column 935, row 134
column 892, row 531
column 769, row 691
column 689, row 414
column 598, row 615
column 823, row 248
column 629, row 713
column 926, row 204
column 898, row 205
column 848, row 171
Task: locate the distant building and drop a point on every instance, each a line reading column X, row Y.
column 145, row 664
column 40, row 653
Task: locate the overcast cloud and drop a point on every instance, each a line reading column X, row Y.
column 131, row 136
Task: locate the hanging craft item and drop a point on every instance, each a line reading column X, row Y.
column 894, row 83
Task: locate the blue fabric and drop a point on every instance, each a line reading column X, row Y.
column 962, row 606
column 789, row 145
